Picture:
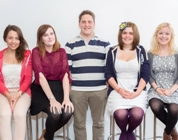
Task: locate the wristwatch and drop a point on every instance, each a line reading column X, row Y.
column 52, row 97
column 20, row 93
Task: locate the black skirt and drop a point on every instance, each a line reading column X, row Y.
column 39, row 99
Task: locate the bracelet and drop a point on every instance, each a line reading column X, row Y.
column 118, row 89
column 156, row 88
column 52, row 97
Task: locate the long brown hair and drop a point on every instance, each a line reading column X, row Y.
column 19, row 52
column 41, row 31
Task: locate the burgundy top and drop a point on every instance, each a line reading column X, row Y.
column 54, row 65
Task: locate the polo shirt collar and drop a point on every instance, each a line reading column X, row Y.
column 94, row 37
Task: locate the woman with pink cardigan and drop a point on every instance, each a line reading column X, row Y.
column 15, row 81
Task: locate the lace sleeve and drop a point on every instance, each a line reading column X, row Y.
column 65, row 66
column 36, row 64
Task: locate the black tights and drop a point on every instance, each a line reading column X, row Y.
column 169, row 117
column 54, row 122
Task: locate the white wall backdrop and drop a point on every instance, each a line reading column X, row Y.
column 63, row 16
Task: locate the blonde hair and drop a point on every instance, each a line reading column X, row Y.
column 155, row 44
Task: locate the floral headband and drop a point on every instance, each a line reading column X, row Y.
column 122, row 26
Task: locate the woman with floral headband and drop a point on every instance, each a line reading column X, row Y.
column 127, row 72
column 164, row 79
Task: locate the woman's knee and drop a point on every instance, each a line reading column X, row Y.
column 20, row 113
column 173, row 109
column 156, row 104
column 136, row 113
column 67, row 114
column 121, row 114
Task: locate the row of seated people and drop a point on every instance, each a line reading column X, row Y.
column 80, row 69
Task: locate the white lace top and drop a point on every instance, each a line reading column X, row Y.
column 11, row 73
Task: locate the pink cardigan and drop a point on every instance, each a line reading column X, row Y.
column 26, row 73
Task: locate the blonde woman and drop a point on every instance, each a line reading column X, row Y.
column 164, row 79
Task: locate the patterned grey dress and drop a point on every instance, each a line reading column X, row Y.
column 163, row 68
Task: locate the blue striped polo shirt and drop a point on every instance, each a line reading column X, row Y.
column 87, row 63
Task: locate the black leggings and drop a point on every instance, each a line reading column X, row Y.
column 54, row 122
column 169, row 117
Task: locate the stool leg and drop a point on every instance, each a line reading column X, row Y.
column 64, row 133
column 27, row 127
column 111, row 136
column 135, row 131
column 37, row 127
column 154, row 130
column 113, row 128
column 140, row 131
column 144, row 124
column 67, row 132
column 42, row 115
column 30, row 122
column 141, row 135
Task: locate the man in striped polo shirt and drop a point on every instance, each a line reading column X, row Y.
column 86, row 56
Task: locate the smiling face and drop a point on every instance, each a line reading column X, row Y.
column 12, row 40
column 164, row 36
column 48, row 38
column 87, row 25
column 127, row 36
